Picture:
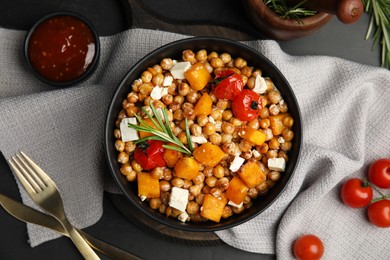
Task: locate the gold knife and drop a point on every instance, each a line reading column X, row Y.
column 28, row 214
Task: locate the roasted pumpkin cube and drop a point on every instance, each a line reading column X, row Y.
column 148, row 186
column 204, row 105
column 171, row 157
column 198, row 76
column 212, row 207
column 236, row 191
column 149, row 122
column 209, row 154
column 251, row 174
column 276, row 123
column 255, row 136
column 186, row 168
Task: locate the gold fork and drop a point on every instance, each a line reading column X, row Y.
column 43, row 191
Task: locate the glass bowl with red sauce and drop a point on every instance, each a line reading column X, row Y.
column 62, row 49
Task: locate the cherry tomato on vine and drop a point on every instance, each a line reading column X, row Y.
column 356, row 194
column 149, row 154
column 227, row 84
column 379, row 213
column 246, row 106
column 308, row 247
column 379, row 173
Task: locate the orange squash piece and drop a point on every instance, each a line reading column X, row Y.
column 148, row 186
column 204, row 105
column 149, row 122
column 171, row 157
column 198, row 76
column 255, row 136
column 186, row 168
column 208, row 154
column 251, row 174
column 276, row 123
column 212, row 207
column 236, row 191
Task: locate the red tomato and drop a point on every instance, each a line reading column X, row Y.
column 150, row 154
column 355, row 194
column 246, row 106
column 379, row 173
column 308, row 247
column 379, row 213
column 227, row 84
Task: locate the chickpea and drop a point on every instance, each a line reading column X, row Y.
column 146, row 76
column 228, row 128
column 165, row 185
column 126, row 169
column 215, row 138
column 235, row 121
column 199, row 178
column 189, row 55
column 273, row 175
column 262, row 149
column 222, row 104
column 286, row 146
column 222, row 183
column 239, row 63
column 265, row 123
column 195, row 190
column 216, row 114
column 283, row 107
column 123, row 157
column 199, row 198
column 131, row 176
column 157, row 173
column 192, row 207
column 209, row 129
column 183, row 89
column 172, row 89
column 166, row 63
column 218, row 171
column 247, row 155
column 216, row 63
column 119, row 145
column 192, row 97
column 216, row 192
column 187, row 184
column 227, row 115
column 238, row 210
column 274, row 96
column 177, row 182
column 158, row 79
column 288, row 121
column 136, row 166
column 178, row 115
column 227, row 212
column 287, row 134
column 136, row 84
column 202, row 120
column 155, row 203
column 226, row 138
column 162, row 208
column 211, row 181
column 212, row 55
column 273, row 110
column 189, row 113
column 167, row 175
column 117, row 133
column 282, row 154
column 274, row 143
column 132, row 97
column 201, row 55
column 182, row 137
column 146, row 88
column 174, row 106
column 264, row 113
column 271, row 154
column 245, row 145
column 255, row 124
column 252, row 193
column 225, row 57
column 229, row 148
column 196, row 130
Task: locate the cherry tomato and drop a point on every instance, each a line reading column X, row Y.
column 246, row 106
column 308, row 247
column 150, row 154
column 379, row 213
column 355, row 194
column 227, row 84
column 379, row 173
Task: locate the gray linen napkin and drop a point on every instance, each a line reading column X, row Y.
column 345, row 108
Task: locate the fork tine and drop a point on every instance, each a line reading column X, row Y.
column 28, row 183
column 38, row 174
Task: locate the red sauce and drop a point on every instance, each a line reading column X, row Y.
column 62, row 48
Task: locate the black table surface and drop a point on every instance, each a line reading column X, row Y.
column 222, row 18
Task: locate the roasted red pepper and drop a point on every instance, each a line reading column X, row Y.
column 149, row 154
column 227, row 84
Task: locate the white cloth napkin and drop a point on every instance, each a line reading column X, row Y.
column 345, row 108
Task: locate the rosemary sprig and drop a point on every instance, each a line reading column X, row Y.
column 380, row 19
column 286, row 11
column 163, row 132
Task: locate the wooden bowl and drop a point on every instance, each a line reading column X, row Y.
column 272, row 26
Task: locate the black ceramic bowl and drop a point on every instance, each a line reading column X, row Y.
column 174, row 51
column 62, row 49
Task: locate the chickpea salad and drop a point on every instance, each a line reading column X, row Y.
column 204, row 136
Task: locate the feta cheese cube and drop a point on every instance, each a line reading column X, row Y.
column 260, row 85
column 198, row 139
column 231, row 203
column 127, row 133
column 236, row 163
column 179, row 198
column 158, row 92
column 167, row 81
column 183, row 217
column 276, row 164
column 179, row 68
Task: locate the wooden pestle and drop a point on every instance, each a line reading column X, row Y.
column 347, row 11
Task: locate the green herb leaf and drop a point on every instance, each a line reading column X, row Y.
column 286, row 11
column 162, row 133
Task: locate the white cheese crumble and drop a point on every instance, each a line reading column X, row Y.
column 198, row 139
column 231, row 203
column 183, row 217
column 179, row 198
column 158, row 92
column 236, row 163
column 179, row 68
column 127, row 133
column 277, row 164
column 281, row 140
column 260, row 85
column 255, row 153
column 143, row 197
column 167, row 81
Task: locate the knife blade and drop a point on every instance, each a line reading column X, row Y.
column 28, row 214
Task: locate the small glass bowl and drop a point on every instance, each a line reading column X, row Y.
column 62, row 49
